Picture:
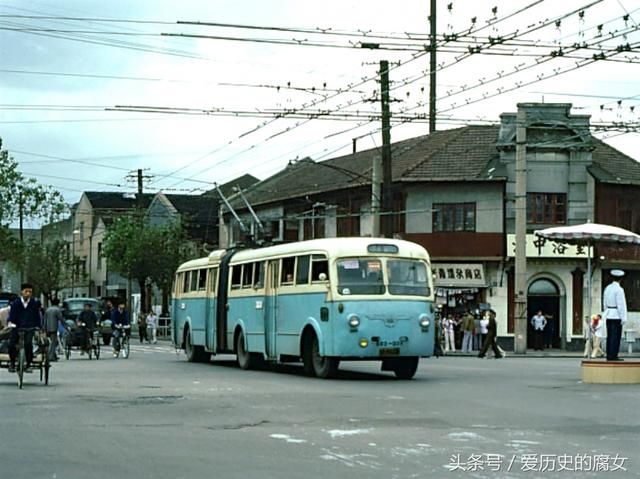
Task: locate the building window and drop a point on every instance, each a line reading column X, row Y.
column 547, row 208
column 454, row 217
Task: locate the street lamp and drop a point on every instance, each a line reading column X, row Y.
column 73, row 262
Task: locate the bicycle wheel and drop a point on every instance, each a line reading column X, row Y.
column 47, row 366
column 22, row 364
column 125, row 348
column 97, row 348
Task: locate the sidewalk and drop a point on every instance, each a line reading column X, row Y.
column 547, row 353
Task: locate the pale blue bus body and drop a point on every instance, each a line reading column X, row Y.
column 320, row 301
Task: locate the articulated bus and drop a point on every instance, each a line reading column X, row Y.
column 319, row 301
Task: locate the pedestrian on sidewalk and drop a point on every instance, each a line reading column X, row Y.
column 152, row 326
column 448, row 325
column 615, row 314
column 52, row 321
column 142, row 327
column 467, row 330
column 490, row 340
column 538, row 321
column 484, row 323
column 597, row 332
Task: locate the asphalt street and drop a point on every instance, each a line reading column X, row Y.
column 156, row 416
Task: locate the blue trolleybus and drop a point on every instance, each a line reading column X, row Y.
column 319, row 301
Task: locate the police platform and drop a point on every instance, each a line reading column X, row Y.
column 610, row 372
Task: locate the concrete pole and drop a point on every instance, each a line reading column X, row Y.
column 376, row 191
column 520, row 326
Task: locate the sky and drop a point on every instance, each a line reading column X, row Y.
column 62, row 76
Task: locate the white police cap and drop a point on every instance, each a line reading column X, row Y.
column 617, row 273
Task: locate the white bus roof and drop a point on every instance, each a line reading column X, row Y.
column 334, row 246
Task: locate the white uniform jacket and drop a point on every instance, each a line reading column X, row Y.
column 614, row 303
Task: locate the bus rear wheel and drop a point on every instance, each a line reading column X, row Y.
column 321, row 366
column 403, row 368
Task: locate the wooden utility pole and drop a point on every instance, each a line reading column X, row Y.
column 386, row 149
column 520, row 327
column 432, row 67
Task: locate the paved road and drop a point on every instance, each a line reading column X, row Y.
column 157, row 416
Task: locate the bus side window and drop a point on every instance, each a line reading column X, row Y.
column 185, row 282
column 288, row 269
column 258, row 276
column 236, row 276
column 319, row 265
column 194, row 281
column 247, row 275
column 213, row 276
column 302, row 270
column 202, row 280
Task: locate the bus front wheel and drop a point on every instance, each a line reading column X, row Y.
column 403, row 368
column 321, row 366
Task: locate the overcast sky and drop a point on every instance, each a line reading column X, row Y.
column 54, row 91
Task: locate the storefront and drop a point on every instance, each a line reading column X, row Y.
column 460, row 287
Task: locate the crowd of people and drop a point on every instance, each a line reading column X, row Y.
column 26, row 311
column 468, row 332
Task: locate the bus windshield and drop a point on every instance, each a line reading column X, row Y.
column 408, row 277
column 366, row 276
column 360, row 276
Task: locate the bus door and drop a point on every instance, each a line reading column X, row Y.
column 210, row 311
column 271, row 308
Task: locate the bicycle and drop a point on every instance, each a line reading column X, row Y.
column 121, row 341
column 40, row 359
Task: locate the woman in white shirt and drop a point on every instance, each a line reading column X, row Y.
column 152, row 326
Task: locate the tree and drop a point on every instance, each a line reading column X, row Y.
column 46, row 266
column 173, row 248
column 21, row 196
column 147, row 254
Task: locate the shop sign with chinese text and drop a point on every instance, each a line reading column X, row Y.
column 461, row 275
column 543, row 248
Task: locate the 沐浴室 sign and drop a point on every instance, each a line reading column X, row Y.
column 462, row 275
column 543, row 248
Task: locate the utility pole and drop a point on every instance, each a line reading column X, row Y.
column 21, row 221
column 386, row 149
column 520, row 326
column 432, row 67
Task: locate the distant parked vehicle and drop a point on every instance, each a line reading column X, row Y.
column 72, row 307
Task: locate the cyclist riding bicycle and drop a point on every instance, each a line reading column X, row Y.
column 25, row 312
column 120, row 325
column 87, row 322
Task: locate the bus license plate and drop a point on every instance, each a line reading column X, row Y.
column 389, row 351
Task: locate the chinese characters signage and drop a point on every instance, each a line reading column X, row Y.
column 458, row 275
column 543, row 248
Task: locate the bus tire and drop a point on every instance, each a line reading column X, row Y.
column 405, row 368
column 322, row 366
column 195, row 354
column 246, row 360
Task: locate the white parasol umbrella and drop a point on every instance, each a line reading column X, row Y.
column 588, row 234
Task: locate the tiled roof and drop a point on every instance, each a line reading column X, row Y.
column 244, row 182
column 613, row 166
column 111, row 200
column 449, row 155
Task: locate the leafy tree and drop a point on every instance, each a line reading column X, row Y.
column 18, row 193
column 173, row 249
column 46, row 265
column 144, row 253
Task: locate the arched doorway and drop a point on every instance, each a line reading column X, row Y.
column 544, row 295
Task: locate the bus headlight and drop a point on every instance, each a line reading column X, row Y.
column 354, row 321
column 424, row 322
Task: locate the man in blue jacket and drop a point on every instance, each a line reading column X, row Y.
column 25, row 312
column 119, row 319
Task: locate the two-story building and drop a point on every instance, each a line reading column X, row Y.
column 454, row 193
